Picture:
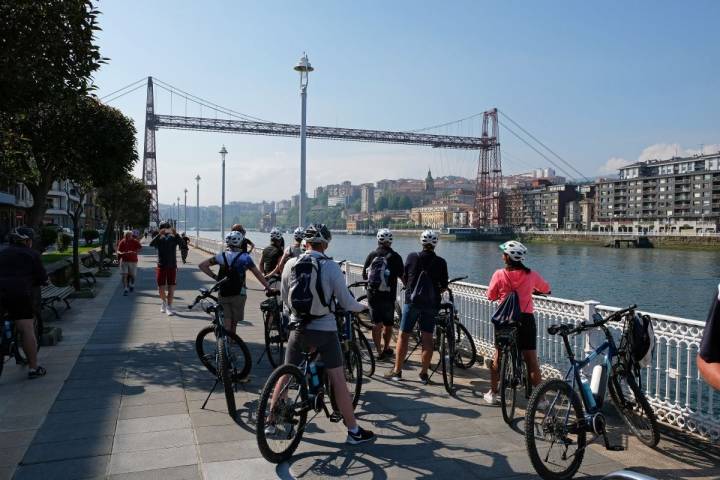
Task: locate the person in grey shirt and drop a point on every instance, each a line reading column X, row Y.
column 321, row 332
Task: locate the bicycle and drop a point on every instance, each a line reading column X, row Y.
column 275, row 324
column 227, row 358
column 579, row 404
column 11, row 341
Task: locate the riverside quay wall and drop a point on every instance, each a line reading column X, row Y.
column 700, row 242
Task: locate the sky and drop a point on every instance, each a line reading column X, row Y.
column 601, row 83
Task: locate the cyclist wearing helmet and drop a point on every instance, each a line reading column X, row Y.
column 294, row 250
column 233, row 264
column 321, row 331
column 383, row 266
column 272, row 253
column 516, row 276
column 247, row 245
column 425, row 277
column 21, row 271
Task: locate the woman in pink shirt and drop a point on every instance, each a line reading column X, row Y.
column 516, row 276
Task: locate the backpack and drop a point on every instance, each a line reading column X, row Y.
column 642, row 340
column 235, row 275
column 306, row 296
column 424, row 293
column 379, row 273
column 508, row 312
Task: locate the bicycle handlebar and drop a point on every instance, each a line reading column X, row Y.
column 358, row 284
column 207, row 293
column 568, row 329
column 457, row 279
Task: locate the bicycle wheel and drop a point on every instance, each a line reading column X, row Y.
column 554, row 430
column 353, row 376
column 508, row 385
column 364, row 318
column 634, row 408
column 285, row 418
column 465, row 347
column 366, row 353
column 447, row 362
column 274, row 342
column 225, row 367
column 206, row 348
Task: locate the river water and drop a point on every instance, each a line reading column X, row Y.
column 670, row 282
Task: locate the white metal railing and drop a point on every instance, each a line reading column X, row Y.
column 592, row 233
column 679, row 396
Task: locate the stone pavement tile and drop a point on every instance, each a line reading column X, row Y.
column 11, row 456
column 255, row 468
column 6, row 472
column 155, row 410
column 150, row 398
column 153, row 424
column 64, row 450
column 190, row 472
column 22, row 422
column 17, row 439
column 86, row 416
column 136, row 442
column 80, row 468
column 223, row 433
column 87, row 403
column 60, row 433
column 223, row 451
column 209, row 418
column 152, row 459
column 69, row 393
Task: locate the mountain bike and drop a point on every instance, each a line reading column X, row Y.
column 561, row 412
column 352, row 358
column 275, row 324
column 11, row 341
column 225, row 356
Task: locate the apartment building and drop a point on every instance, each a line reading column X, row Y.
column 540, row 208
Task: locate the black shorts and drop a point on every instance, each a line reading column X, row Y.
column 326, row 343
column 17, row 307
column 382, row 311
column 526, row 332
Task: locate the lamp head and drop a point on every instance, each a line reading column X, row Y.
column 223, row 150
column 303, row 66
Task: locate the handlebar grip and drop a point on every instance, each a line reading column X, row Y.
column 553, row 329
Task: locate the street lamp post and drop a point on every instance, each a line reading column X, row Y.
column 197, row 210
column 185, row 211
column 304, row 68
column 177, row 222
column 223, row 152
column 173, row 222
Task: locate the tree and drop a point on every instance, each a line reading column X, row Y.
column 405, row 203
column 125, row 201
column 381, row 204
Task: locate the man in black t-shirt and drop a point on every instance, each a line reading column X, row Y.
column 166, row 242
column 708, row 359
column 425, row 278
column 383, row 266
column 272, row 253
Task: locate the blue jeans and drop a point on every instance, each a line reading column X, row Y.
column 413, row 313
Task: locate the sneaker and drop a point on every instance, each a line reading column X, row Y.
column 393, row 375
column 132, row 287
column 125, row 292
column 491, row 398
column 271, row 430
column 361, row 436
column 424, row 378
column 162, row 308
column 170, row 311
column 37, row 372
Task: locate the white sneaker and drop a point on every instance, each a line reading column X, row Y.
column 162, row 308
column 170, row 311
column 491, row 398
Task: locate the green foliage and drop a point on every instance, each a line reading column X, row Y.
column 381, row 204
column 405, row 203
column 63, row 241
column 48, row 235
column 89, row 235
column 355, row 206
column 391, row 201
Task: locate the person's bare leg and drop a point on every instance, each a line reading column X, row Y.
column 376, row 334
column 170, row 293
column 29, row 342
column 401, row 350
column 342, row 396
column 533, row 366
column 427, row 351
column 125, row 280
column 161, row 289
column 494, row 377
column 387, row 336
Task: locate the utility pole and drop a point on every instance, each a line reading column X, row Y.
column 197, row 211
column 223, row 152
column 304, row 68
column 185, row 226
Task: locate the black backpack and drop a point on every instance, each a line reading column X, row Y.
column 424, row 294
column 508, row 312
column 379, row 273
column 235, row 275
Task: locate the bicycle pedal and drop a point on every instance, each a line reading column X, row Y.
column 335, row 417
column 615, row 448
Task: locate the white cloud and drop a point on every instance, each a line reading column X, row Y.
column 658, row 151
column 612, row 165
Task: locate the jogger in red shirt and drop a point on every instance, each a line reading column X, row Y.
column 127, row 251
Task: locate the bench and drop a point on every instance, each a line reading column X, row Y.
column 52, row 293
column 85, row 273
column 94, row 258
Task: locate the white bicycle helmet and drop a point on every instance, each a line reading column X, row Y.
column 299, row 234
column 515, row 250
column 275, row 234
column 234, row 239
column 429, row 237
column 384, row 236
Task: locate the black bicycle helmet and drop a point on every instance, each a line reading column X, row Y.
column 318, row 233
column 20, row 234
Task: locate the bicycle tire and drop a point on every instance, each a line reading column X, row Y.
column 530, row 438
column 274, row 343
column 366, row 353
column 352, row 368
column 226, row 376
column 508, row 386
column 468, row 349
column 621, row 404
column 361, row 318
column 208, row 358
column 261, row 416
column 447, row 363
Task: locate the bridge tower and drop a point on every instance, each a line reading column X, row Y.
column 488, row 205
column 149, row 161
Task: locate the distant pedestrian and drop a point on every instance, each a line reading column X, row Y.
column 291, row 251
column 184, row 246
column 247, row 246
column 383, row 267
column 425, row 277
column 520, row 279
column 167, row 245
column 708, row 358
column 127, row 251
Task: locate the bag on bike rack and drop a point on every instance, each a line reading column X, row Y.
column 642, row 340
column 307, row 299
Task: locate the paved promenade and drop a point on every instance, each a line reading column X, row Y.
column 123, row 394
